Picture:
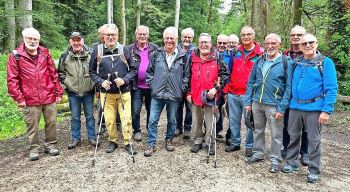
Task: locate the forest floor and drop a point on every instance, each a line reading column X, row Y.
column 167, row 171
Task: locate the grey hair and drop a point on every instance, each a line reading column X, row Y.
column 188, row 30
column 247, row 27
column 111, row 26
column 101, row 29
column 30, row 31
column 205, row 35
column 142, row 27
column 171, row 30
column 235, row 37
column 298, row 27
column 273, row 36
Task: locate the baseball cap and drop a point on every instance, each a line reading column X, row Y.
column 75, row 34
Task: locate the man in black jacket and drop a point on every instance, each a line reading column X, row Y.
column 141, row 52
column 112, row 68
column 168, row 78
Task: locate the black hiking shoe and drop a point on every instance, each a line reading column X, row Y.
column 196, row 147
column 74, row 144
column 111, row 147
column 128, row 149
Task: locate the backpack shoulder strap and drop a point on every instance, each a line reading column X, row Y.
column 284, row 62
column 319, row 64
column 15, row 54
column 99, row 56
column 122, row 55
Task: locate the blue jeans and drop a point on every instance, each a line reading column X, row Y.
column 75, row 102
column 236, row 106
column 186, row 126
column 157, row 106
column 136, row 106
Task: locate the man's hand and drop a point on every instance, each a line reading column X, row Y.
column 189, row 99
column 106, row 84
column 58, row 99
column 278, row 115
column 248, row 108
column 324, row 117
column 97, row 94
column 119, row 81
column 211, row 93
column 21, row 104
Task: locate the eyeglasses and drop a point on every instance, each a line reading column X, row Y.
column 309, row 42
column 204, row 42
column 299, row 35
column 222, row 43
column 32, row 38
column 270, row 43
column 111, row 34
column 142, row 34
column 169, row 38
column 232, row 43
column 187, row 37
column 246, row 34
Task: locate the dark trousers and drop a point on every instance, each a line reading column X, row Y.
column 220, row 102
column 187, row 123
column 286, row 137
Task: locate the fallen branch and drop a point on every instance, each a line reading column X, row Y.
column 344, row 99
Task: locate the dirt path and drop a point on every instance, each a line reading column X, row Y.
column 167, row 171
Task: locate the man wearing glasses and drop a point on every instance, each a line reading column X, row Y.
column 141, row 51
column 113, row 72
column 33, row 84
column 243, row 62
column 209, row 74
column 187, row 47
column 314, row 92
column 294, row 52
column 167, row 77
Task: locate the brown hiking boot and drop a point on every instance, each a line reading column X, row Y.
column 169, row 145
column 149, row 151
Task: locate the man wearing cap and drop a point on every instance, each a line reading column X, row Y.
column 73, row 71
column 33, row 84
column 113, row 69
column 208, row 74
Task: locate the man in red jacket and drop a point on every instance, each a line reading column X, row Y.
column 208, row 73
column 243, row 62
column 33, row 83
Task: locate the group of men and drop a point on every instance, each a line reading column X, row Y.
column 244, row 78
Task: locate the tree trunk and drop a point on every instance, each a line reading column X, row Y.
column 259, row 18
column 297, row 12
column 138, row 13
column 110, row 11
column 263, row 16
column 11, row 24
column 343, row 99
column 123, row 23
column 26, row 19
column 177, row 14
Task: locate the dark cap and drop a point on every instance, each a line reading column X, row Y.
column 75, row 34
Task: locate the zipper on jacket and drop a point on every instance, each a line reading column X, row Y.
column 263, row 85
column 276, row 92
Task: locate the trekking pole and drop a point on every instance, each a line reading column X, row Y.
column 99, row 128
column 209, row 147
column 124, row 115
column 214, row 128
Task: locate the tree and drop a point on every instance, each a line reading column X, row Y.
column 177, row 14
column 138, row 13
column 297, row 12
column 26, row 19
column 11, row 24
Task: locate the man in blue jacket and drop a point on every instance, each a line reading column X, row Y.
column 314, row 93
column 167, row 76
column 267, row 95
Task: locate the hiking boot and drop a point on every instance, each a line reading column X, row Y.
column 232, row 148
column 253, row 159
column 149, row 151
column 137, row 137
column 169, row 145
column 304, row 160
column 111, row 147
column 93, row 142
column 196, row 147
column 228, row 141
column 33, row 156
column 128, row 148
column 274, row 168
column 74, row 144
column 312, row 178
column 187, row 135
column 290, row 168
column 177, row 132
column 249, row 152
column 220, row 134
column 52, row 151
